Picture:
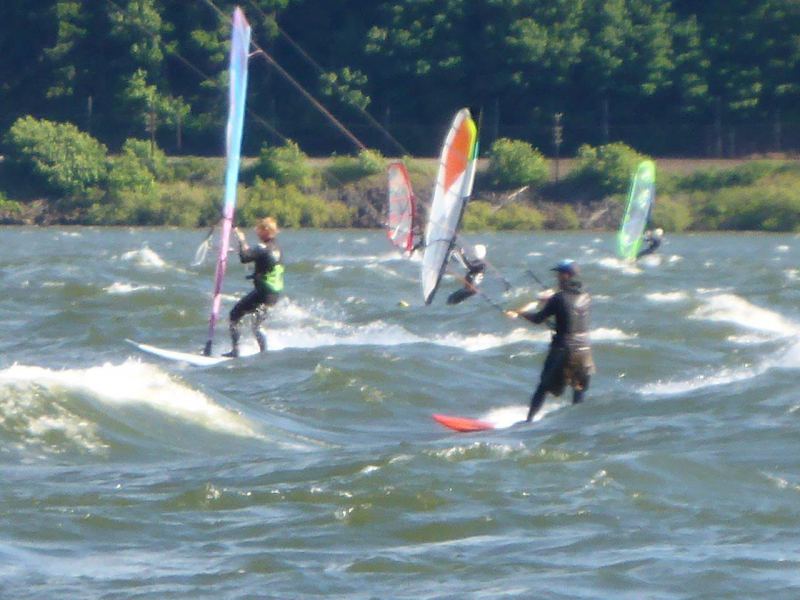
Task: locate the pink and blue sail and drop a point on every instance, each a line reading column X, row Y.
column 237, row 93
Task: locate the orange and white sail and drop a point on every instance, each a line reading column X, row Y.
column 453, row 188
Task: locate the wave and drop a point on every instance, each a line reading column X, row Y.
column 144, row 257
column 128, row 288
column 723, row 377
column 730, row 308
column 623, row 266
column 667, row 297
column 38, row 404
column 506, row 416
column 365, row 258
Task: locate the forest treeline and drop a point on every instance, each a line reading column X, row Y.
column 667, row 77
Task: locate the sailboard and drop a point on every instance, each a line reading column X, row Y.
column 454, row 181
column 402, row 208
column 640, row 201
column 190, row 358
column 237, row 92
column 462, row 424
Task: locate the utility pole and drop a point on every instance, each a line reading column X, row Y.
column 558, row 138
column 151, row 128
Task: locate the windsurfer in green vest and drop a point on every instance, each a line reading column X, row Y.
column 267, row 278
column 569, row 361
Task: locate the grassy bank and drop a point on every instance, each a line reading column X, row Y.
column 344, row 192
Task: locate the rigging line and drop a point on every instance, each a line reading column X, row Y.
column 307, row 95
column 299, row 49
column 200, row 72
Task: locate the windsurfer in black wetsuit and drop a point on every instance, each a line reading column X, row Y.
column 267, row 279
column 653, row 239
column 475, row 266
column 569, row 361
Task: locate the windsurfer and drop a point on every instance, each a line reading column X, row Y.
column 653, row 238
column 267, row 279
column 569, row 361
column 475, row 265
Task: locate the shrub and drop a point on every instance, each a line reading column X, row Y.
column 672, row 214
column 514, row 163
column 609, row 168
column 344, row 169
column 481, row 215
column 286, row 164
column 63, row 159
column 742, row 175
column 198, row 169
column 564, row 218
column 291, row 207
column 518, row 217
column 9, row 208
column 186, row 205
column 477, row 216
column 770, row 208
column 150, row 156
column 128, row 173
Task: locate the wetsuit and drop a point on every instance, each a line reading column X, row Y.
column 569, row 361
column 475, row 270
column 268, row 282
column 653, row 244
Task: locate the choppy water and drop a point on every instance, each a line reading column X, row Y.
column 316, row 471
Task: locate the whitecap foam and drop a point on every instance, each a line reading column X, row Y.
column 144, row 257
column 133, row 382
column 666, row 297
column 651, row 260
column 119, row 287
column 623, row 266
column 487, row 341
column 339, row 334
column 723, row 377
column 730, row 308
column 364, row 258
column 609, row 334
column 332, row 268
column 782, row 248
column 674, row 258
column 506, row 416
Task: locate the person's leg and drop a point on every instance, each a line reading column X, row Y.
column 258, row 318
column 536, row 401
column 460, row 295
column 551, row 374
column 244, row 306
column 579, row 390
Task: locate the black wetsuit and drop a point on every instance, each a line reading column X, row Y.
column 569, row 360
column 475, row 270
column 653, row 244
column 268, row 282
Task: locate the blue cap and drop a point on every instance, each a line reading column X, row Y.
column 566, row 266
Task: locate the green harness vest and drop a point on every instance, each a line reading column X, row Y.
column 273, row 280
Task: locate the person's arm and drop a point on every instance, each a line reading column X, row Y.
column 533, row 315
column 539, row 316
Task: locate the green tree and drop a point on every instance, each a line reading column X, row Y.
column 66, row 161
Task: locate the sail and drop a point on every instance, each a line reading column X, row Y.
column 453, row 187
column 637, row 213
column 402, row 208
column 240, row 45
